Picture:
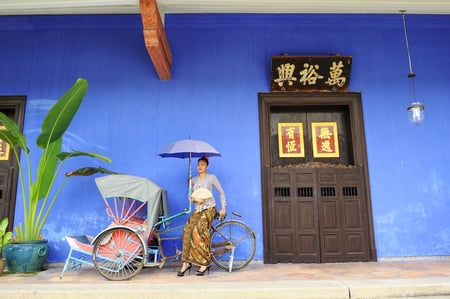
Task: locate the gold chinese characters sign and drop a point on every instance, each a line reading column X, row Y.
column 4, row 148
column 290, row 140
column 325, row 139
column 310, row 73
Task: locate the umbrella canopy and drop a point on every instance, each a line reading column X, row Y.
column 188, row 148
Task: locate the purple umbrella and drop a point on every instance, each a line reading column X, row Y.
column 188, row 148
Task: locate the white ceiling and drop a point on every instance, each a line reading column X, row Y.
column 39, row 7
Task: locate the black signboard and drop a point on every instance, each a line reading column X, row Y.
column 310, row 73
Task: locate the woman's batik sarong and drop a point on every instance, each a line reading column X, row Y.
column 196, row 238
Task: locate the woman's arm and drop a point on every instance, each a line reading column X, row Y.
column 216, row 184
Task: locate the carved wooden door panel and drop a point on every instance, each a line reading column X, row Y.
column 295, row 217
column 315, row 208
column 295, row 235
column 342, row 223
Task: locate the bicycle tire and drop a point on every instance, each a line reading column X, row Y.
column 118, row 253
column 229, row 234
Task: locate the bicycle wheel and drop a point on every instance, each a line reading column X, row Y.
column 233, row 245
column 118, row 253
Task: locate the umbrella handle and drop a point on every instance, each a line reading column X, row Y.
column 189, row 194
column 190, row 208
column 188, row 211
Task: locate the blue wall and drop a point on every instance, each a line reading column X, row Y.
column 220, row 63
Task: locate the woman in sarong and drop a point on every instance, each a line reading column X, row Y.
column 196, row 236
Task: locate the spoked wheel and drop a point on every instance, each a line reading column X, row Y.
column 233, row 245
column 118, row 253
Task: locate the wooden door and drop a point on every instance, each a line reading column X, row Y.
column 342, row 209
column 315, row 208
column 293, row 216
column 14, row 108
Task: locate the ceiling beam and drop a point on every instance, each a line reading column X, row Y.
column 155, row 39
column 61, row 7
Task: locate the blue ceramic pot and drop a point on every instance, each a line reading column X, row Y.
column 24, row 257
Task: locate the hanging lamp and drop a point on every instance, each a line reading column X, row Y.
column 416, row 108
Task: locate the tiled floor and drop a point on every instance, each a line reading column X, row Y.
column 256, row 272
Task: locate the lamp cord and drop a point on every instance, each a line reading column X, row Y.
column 411, row 73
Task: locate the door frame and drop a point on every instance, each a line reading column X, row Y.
column 17, row 105
column 352, row 100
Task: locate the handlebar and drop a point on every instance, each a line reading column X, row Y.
column 217, row 216
column 236, row 214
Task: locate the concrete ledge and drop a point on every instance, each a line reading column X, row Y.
column 247, row 290
column 399, row 288
column 411, row 288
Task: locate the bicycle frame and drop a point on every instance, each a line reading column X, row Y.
column 158, row 251
column 226, row 246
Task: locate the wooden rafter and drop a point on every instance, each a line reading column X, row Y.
column 156, row 39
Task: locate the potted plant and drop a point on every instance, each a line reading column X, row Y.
column 39, row 191
column 5, row 239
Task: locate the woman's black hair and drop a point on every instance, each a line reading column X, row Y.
column 205, row 159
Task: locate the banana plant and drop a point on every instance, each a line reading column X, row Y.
column 38, row 185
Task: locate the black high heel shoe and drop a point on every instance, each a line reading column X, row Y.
column 181, row 273
column 201, row 273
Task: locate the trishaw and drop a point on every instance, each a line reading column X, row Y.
column 141, row 226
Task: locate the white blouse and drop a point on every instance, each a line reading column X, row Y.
column 208, row 181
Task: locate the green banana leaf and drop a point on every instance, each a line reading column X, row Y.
column 64, row 155
column 46, row 171
column 61, row 114
column 87, row 171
